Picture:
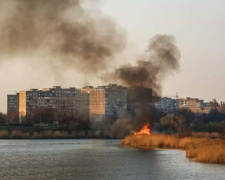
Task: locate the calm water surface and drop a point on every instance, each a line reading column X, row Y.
column 97, row 159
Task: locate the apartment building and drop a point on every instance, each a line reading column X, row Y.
column 167, row 105
column 13, row 108
column 193, row 104
column 208, row 106
column 107, row 101
column 110, row 101
column 70, row 100
column 82, row 104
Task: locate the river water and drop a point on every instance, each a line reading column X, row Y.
column 96, row 160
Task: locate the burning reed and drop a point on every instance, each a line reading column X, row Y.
column 201, row 149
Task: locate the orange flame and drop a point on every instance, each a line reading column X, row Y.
column 144, row 131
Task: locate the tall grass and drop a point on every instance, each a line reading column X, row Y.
column 202, row 149
column 212, row 151
column 156, row 140
column 16, row 134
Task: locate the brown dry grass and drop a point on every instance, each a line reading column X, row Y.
column 4, row 134
column 16, row 134
column 60, row 134
column 211, row 151
column 156, row 140
column 212, row 135
column 202, row 149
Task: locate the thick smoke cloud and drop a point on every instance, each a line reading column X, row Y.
column 162, row 59
column 72, row 35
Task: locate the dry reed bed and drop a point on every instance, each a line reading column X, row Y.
column 201, row 149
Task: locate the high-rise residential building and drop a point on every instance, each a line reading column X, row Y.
column 193, row 104
column 82, row 102
column 167, row 105
column 22, row 105
column 69, row 100
column 13, row 108
column 107, row 101
column 110, row 101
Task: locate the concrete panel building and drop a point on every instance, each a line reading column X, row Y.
column 107, row 101
column 82, row 104
column 22, row 105
column 193, row 104
column 167, row 105
column 13, row 108
column 68, row 100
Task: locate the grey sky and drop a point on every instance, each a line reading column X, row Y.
column 198, row 26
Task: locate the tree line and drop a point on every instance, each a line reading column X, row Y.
column 186, row 121
column 182, row 121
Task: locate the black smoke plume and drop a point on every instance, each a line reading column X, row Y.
column 72, row 35
column 162, row 59
column 144, row 82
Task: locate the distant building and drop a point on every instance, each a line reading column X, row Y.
column 167, row 105
column 107, row 101
column 193, row 104
column 22, row 105
column 13, row 108
column 208, row 106
column 199, row 106
column 82, row 102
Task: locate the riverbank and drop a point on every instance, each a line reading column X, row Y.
column 201, row 149
column 51, row 134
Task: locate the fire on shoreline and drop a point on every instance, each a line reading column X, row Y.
column 144, row 131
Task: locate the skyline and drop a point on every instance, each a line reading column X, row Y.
column 198, row 30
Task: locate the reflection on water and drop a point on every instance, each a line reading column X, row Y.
column 97, row 159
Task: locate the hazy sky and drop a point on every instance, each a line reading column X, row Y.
column 197, row 25
column 199, row 29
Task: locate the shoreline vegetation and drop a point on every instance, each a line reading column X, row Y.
column 51, row 134
column 208, row 148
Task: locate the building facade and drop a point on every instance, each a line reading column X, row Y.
column 67, row 100
column 199, row 106
column 82, row 104
column 167, row 105
column 13, row 108
column 107, row 101
column 193, row 104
